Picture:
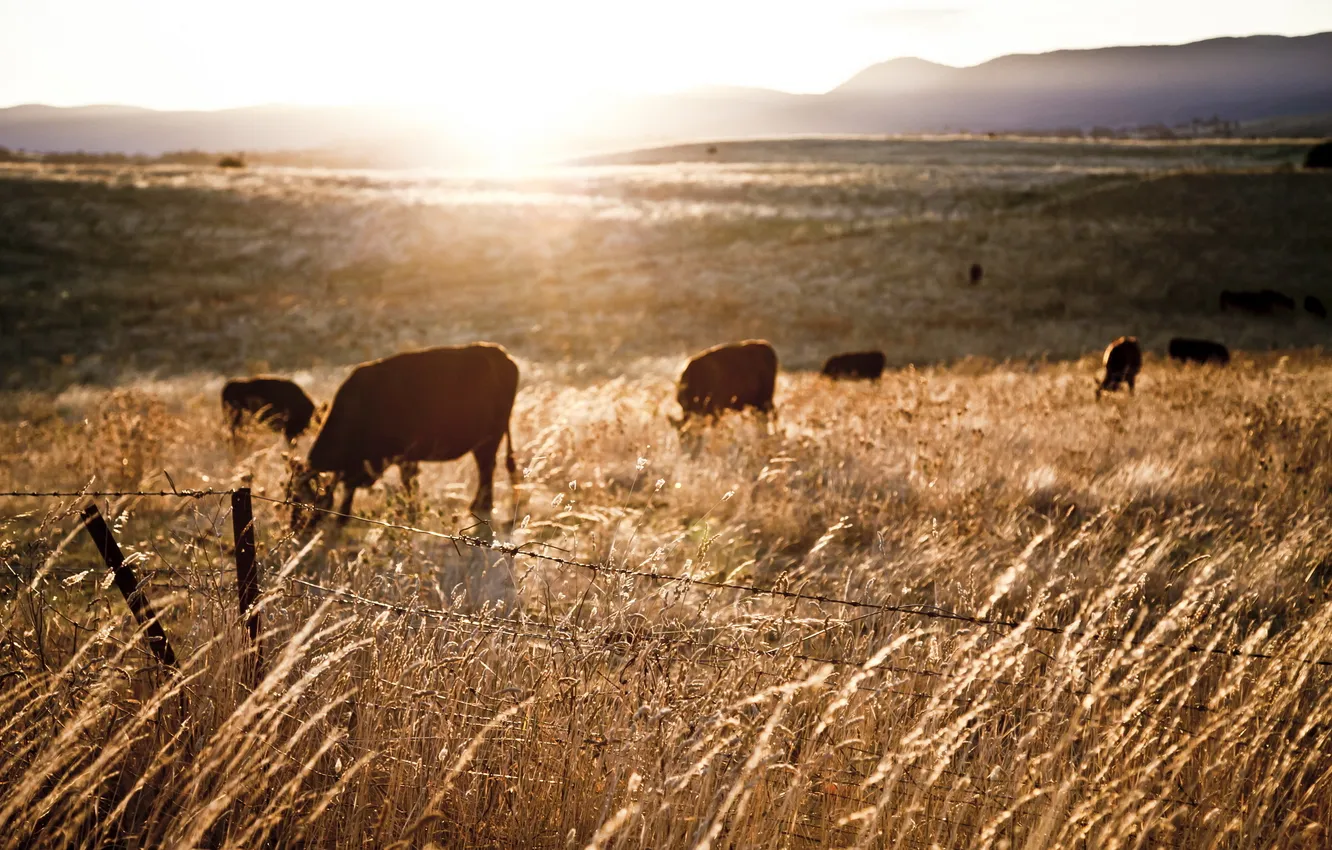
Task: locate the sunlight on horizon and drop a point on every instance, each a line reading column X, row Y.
column 511, row 75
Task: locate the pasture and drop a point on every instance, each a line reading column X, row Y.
column 1076, row 624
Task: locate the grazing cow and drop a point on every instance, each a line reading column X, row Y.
column 733, row 376
column 976, row 273
column 437, row 404
column 1198, row 351
column 1319, row 156
column 1314, row 304
column 1249, row 302
column 856, row 365
column 1278, row 299
column 1123, row 360
column 276, row 402
column 1259, row 303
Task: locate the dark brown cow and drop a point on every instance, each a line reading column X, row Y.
column 276, row 402
column 1278, row 299
column 1260, row 303
column 1319, row 156
column 976, row 273
column 437, row 404
column 856, row 365
column 1123, row 360
column 1314, row 304
column 733, row 376
column 1198, row 351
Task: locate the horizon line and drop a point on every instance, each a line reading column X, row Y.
column 697, row 89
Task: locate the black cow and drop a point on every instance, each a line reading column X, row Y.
column 1261, row 303
column 437, row 404
column 1319, row 156
column 1278, row 299
column 733, row 376
column 1198, row 351
column 276, row 402
column 1314, row 304
column 856, row 365
column 1122, row 360
column 976, row 273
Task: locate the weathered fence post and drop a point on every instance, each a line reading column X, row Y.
column 135, row 596
column 247, row 573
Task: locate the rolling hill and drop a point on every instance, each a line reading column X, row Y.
column 1256, row 81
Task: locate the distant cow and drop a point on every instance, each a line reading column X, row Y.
column 856, row 365
column 1198, row 351
column 1123, row 360
column 1319, row 156
column 276, row 402
column 1278, row 299
column 437, row 404
column 1260, row 303
column 976, row 273
column 1313, row 304
column 733, row 376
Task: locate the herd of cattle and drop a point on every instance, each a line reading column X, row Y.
column 439, row 404
column 1265, row 302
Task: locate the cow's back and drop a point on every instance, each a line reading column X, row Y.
column 431, row 405
column 856, row 364
column 1123, row 355
column 280, row 399
column 268, row 389
column 730, row 376
column 1198, row 350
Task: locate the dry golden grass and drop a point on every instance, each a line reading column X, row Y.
column 513, row 702
column 546, row 706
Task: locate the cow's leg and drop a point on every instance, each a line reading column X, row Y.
column 234, row 420
column 344, row 509
column 484, row 502
column 693, row 430
column 408, row 471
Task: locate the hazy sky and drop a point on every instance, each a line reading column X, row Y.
column 187, row 54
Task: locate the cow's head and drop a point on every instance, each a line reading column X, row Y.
column 1105, row 383
column 305, row 486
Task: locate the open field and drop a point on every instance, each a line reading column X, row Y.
column 1152, row 574
column 112, row 273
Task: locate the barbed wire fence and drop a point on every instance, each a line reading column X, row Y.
column 249, row 591
column 249, row 579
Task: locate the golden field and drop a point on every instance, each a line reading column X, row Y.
column 1150, row 574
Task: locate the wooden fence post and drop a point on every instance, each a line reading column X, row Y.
column 135, row 595
column 247, row 573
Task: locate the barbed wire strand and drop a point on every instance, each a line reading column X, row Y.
column 927, row 611
column 517, row 550
column 114, row 494
column 580, row 638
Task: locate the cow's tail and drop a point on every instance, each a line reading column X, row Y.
column 509, row 463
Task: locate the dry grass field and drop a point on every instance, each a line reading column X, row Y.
column 1076, row 624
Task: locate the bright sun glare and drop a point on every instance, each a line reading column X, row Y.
column 507, row 127
column 511, row 80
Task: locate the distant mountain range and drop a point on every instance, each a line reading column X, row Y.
column 1265, row 79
